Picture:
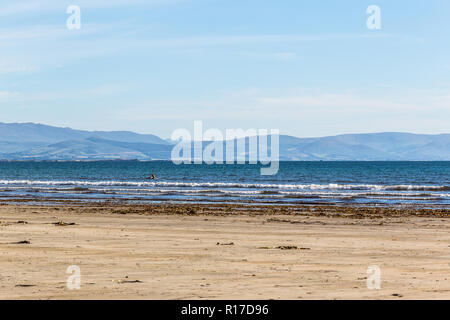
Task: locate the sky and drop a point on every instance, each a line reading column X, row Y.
column 307, row 68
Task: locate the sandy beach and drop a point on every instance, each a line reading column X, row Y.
column 222, row 252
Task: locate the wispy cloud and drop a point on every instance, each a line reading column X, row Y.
column 252, row 39
column 30, row 7
column 48, row 96
column 7, row 94
column 55, row 45
column 339, row 101
column 15, row 67
column 251, row 104
column 50, row 32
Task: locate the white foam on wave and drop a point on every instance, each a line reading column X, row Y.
column 330, row 186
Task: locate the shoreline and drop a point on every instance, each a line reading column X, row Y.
column 222, row 252
column 344, row 210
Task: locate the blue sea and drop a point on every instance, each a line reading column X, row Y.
column 354, row 183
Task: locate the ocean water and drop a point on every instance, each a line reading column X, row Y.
column 357, row 183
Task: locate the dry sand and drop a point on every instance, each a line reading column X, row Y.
column 176, row 252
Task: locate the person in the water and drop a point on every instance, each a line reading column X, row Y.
column 152, row 177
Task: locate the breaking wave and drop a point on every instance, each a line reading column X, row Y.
column 330, row 186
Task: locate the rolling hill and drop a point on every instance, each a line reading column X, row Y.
column 29, row 141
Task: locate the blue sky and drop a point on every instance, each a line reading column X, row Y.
column 308, row 68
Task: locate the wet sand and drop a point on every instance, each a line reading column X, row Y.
column 223, row 252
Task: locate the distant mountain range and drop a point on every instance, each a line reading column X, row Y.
column 29, row 141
